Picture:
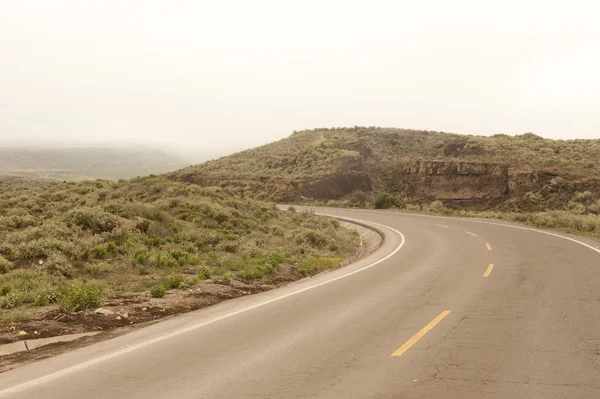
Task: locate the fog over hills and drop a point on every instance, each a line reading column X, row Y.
column 86, row 162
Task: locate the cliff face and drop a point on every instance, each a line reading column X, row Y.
column 446, row 180
column 416, row 180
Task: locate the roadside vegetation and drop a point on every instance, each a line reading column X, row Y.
column 77, row 244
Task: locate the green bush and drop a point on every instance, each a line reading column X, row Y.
column 158, row 291
column 172, row 282
column 140, row 257
column 387, row 201
column 79, row 296
column 164, row 260
column 225, row 279
column 203, row 273
column 100, row 251
column 5, row 289
column 27, row 287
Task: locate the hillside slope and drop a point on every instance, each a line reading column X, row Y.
column 524, row 171
column 129, row 236
column 85, row 163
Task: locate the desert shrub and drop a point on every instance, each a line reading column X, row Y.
column 576, row 208
column 79, row 296
column 140, row 257
column 387, row 201
column 225, row 279
column 583, row 197
column 164, row 260
column 158, row 291
column 231, row 248
column 159, row 230
column 173, row 282
column 358, row 198
column 100, row 251
column 5, row 265
column 92, row 219
column 5, row 289
column 57, row 265
column 532, row 197
column 313, row 239
column 594, row 208
column 259, row 265
column 437, row 206
column 28, row 287
column 203, row 273
column 44, row 247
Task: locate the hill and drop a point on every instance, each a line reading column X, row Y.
column 86, row 163
column 523, row 172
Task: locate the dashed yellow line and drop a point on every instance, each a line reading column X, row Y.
column 489, row 270
column 473, row 234
column 440, row 225
column 489, row 247
column 421, row 333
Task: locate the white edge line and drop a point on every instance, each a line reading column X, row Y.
column 515, row 227
column 373, row 211
column 121, row 351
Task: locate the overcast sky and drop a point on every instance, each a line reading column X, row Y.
column 214, row 75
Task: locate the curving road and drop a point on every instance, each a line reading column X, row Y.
column 426, row 316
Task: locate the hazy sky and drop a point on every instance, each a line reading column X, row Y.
column 206, row 75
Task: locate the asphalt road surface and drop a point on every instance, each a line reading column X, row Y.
column 446, row 308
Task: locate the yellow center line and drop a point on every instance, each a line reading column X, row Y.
column 474, row 235
column 440, row 225
column 489, row 247
column 489, row 270
column 420, row 334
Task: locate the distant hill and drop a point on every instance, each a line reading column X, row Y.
column 86, row 163
column 523, row 171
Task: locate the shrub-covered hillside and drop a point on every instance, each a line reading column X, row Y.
column 77, row 243
column 317, row 153
column 523, row 172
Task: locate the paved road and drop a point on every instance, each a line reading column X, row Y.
column 530, row 329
